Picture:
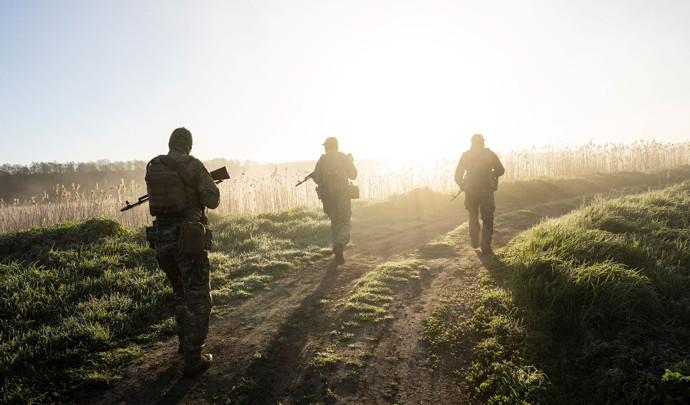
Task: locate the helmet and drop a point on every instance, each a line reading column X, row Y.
column 181, row 138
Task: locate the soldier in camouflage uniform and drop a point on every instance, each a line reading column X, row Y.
column 477, row 175
column 188, row 274
column 332, row 173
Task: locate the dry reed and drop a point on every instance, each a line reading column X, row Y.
column 277, row 192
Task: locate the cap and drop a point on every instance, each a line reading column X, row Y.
column 331, row 141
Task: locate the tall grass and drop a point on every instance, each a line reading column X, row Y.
column 276, row 192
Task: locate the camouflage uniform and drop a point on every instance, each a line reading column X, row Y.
column 477, row 175
column 188, row 275
column 331, row 174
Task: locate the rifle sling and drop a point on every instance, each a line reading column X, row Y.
column 172, row 164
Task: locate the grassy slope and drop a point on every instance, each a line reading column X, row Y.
column 78, row 301
column 593, row 307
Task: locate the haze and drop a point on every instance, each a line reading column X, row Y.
column 270, row 80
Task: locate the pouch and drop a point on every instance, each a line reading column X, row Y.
column 208, row 242
column 353, row 191
column 192, row 238
column 161, row 234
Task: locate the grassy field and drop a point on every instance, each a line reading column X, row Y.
column 78, row 301
column 47, row 199
column 593, row 307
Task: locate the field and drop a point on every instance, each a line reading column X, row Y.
column 595, row 298
column 271, row 188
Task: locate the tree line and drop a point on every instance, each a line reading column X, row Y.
column 102, row 165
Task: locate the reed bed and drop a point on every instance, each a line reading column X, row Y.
column 276, row 191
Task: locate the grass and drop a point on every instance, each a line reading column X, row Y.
column 374, row 293
column 592, row 307
column 80, row 300
column 324, row 359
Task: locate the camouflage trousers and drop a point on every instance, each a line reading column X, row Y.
column 477, row 202
column 191, row 286
column 339, row 211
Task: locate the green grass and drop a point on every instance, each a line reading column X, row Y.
column 374, row 293
column 592, row 307
column 80, row 300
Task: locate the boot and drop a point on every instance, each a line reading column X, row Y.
column 487, row 251
column 198, row 366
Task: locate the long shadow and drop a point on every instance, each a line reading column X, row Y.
column 265, row 378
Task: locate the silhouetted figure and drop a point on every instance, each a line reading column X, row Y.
column 477, row 175
column 332, row 174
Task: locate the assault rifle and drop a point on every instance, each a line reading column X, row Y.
column 456, row 195
column 218, row 175
column 309, row 176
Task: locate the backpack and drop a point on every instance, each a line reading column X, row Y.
column 165, row 182
column 479, row 174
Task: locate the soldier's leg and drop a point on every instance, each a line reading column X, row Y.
column 487, row 208
column 172, row 271
column 195, row 277
column 342, row 221
column 328, row 208
column 472, row 207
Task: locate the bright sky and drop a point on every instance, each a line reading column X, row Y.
column 270, row 80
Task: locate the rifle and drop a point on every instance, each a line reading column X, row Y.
column 218, row 175
column 309, row 176
column 456, row 195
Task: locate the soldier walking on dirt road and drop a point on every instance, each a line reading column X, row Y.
column 477, row 175
column 332, row 173
column 180, row 189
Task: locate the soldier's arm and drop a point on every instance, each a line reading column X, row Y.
column 209, row 195
column 317, row 177
column 460, row 171
column 499, row 170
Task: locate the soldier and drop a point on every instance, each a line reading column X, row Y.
column 477, row 175
column 331, row 174
column 180, row 188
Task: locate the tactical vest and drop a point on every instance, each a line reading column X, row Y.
column 166, row 183
column 479, row 175
column 334, row 173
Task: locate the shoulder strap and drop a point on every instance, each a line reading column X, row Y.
column 172, row 164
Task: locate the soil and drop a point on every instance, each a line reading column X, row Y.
column 263, row 346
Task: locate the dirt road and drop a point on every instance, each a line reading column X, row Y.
column 264, row 347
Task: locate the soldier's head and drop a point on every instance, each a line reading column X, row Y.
column 477, row 141
column 181, row 139
column 331, row 144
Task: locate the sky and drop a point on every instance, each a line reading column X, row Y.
column 270, row 80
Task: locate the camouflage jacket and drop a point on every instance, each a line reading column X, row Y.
column 478, row 170
column 332, row 172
